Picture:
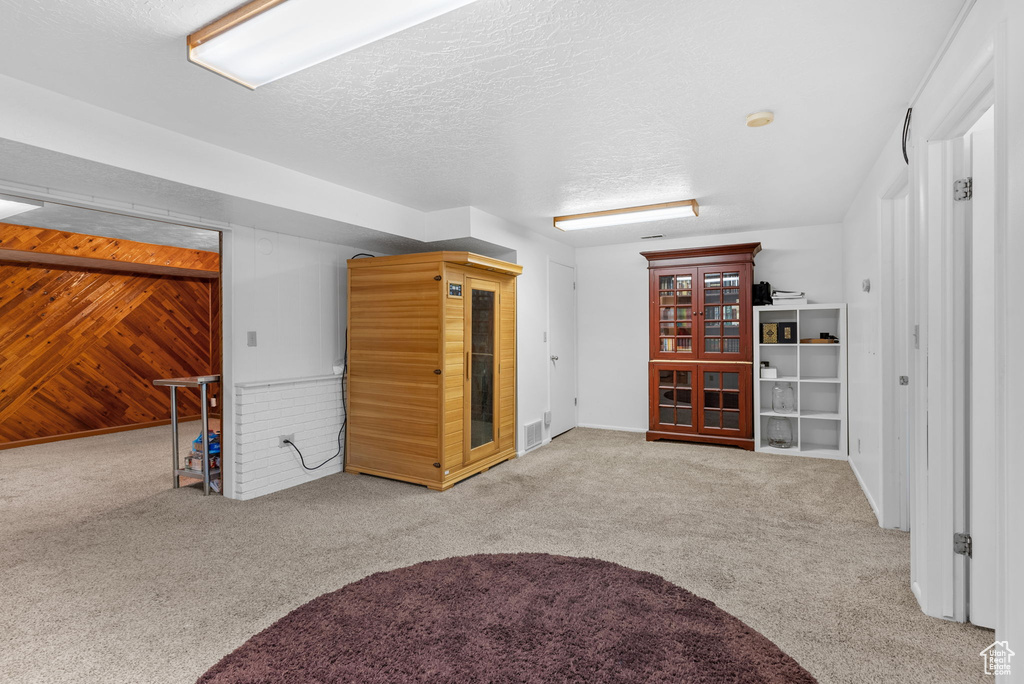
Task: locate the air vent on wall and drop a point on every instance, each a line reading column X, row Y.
column 533, row 435
column 651, row 237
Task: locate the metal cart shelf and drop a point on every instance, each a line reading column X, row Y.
column 201, row 382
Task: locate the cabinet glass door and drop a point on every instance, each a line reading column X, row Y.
column 674, row 308
column 725, row 394
column 481, row 367
column 674, row 398
column 721, row 323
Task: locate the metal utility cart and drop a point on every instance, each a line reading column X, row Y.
column 201, row 382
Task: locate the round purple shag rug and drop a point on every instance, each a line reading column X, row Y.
column 526, row 617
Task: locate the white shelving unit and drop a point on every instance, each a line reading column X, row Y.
column 817, row 373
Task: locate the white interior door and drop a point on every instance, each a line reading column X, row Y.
column 982, row 325
column 562, row 346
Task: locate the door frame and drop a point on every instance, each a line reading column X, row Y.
column 895, row 504
column 938, row 576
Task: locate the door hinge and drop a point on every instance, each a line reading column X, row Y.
column 575, row 401
column 962, row 544
column 963, row 189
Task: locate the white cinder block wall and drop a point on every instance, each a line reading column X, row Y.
column 612, row 316
column 311, row 409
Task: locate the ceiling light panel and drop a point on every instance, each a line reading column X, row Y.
column 621, row 217
column 269, row 39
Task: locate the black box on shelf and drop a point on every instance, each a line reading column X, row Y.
column 778, row 333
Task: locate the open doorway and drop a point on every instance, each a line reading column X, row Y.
column 901, row 331
column 97, row 305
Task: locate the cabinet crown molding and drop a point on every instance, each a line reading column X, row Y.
column 734, row 253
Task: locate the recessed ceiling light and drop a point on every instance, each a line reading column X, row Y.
column 10, row 206
column 758, row 119
column 265, row 40
column 618, row 217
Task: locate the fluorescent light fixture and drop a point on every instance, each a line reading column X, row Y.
column 265, row 40
column 9, row 206
column 621, row 217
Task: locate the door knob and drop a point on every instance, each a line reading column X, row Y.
column 554, row 358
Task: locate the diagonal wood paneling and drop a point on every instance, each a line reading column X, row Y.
column 79, row 349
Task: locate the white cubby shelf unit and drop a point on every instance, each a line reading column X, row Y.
column 817, row 373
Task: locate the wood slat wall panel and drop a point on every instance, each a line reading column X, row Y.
column 79, row 349
column 394, row 348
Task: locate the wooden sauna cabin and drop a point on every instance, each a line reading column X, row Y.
column 431, row 369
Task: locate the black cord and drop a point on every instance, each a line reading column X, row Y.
column 303, row 461
column 344, row 408
column 362, row 254
column 344, row 421
column 906, row 135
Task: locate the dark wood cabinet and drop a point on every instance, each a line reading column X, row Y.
column 701, row 344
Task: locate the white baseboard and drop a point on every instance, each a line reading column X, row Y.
column 612, row 427
column 867, row 494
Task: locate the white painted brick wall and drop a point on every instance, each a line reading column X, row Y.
column 309, row 408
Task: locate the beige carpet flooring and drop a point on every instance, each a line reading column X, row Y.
column 108, row 575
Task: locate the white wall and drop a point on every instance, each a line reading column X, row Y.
column 532, row 252
column 292, row 292
column 612, row 293
column 862, row 260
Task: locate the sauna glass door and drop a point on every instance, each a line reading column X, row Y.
column 481, row 392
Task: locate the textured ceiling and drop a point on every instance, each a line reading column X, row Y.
column 533, row 108
column 108, row 224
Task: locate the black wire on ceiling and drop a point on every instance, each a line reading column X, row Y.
column 906, row 135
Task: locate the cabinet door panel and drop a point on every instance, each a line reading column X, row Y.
column 672, row 398
column 673, row 305
column 725, row 393
column 724, row 311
